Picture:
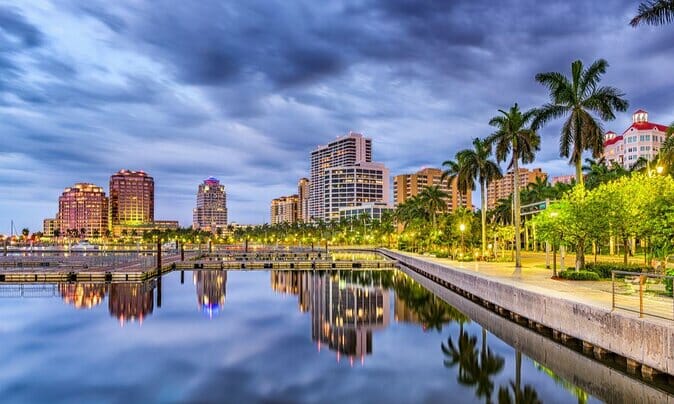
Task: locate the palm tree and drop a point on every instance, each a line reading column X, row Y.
column 654, row 12
column 434, row 200
column 578, row 98
column 477, row 164
column 515, row 137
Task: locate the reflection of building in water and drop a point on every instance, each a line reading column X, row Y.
column 211, row 290
column 131, row 301
column 344, row 314
column 83, row 295
column 294, row 283
column 403, row 313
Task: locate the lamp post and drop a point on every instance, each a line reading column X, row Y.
column 462, row 228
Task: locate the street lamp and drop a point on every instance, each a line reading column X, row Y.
column 659, row 169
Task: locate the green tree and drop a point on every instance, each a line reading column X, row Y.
column 654, row 12
column 434, row 201
column 477, row 164
column 578, row 98
column 514, row 136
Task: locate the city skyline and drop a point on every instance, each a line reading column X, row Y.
column 116, row 81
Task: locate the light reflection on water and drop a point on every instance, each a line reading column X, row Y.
column 304, row 336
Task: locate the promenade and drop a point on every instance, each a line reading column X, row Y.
column 534, row 276
column 581, row 310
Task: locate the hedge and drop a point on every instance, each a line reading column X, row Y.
column 603, row 269
column 579, row 276
column 668, row 282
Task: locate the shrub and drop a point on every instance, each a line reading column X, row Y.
column 603, row 269
column 441, row 254
column 579, row 276
column 668, row 282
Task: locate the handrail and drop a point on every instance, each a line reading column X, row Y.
column 653, row 304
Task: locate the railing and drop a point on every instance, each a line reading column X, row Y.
column 642, row 293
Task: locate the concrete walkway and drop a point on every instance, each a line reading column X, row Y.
column 534, row 276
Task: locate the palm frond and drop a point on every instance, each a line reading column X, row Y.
column 655, row 12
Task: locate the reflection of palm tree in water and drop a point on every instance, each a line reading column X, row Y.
column 431, row 311
column 520, row 396
column 476, row 367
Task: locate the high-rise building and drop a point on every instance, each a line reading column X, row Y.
column 303, row 195
column 131, row 198
column 641, row 139
column 285, row 209
column 354, row 185
column 83, row 208
column 503, row 187
column 343, row 152
column 405, row 186
column 211, row 211
column 49, row 225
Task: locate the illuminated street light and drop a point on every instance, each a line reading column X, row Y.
column 659, row 169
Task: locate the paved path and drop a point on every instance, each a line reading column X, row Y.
column 534, row 276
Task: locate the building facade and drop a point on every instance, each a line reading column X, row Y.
column 642, row 139
column 285, row 209
column 406, row 186
column 48, row 227
column 345, row 151
column 211, row 211
column 83, row 211
column 374, row 210
column 563, row 179
column 303, row 195
column 131, row 198
column 354, row 185
column 503, row 187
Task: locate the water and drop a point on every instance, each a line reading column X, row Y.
column 326, row 336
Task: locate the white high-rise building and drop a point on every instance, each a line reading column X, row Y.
column 345, row 151
column 211, row 211
column 353, row 186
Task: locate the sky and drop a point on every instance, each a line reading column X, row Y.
column 245, row 90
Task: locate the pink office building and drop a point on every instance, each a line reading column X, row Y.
column 83, row 208
column 641, row 139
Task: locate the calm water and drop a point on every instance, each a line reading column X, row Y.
column 256, row 337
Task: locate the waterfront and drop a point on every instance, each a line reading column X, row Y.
column 258, row 336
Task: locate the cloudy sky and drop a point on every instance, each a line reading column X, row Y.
column 244, row 90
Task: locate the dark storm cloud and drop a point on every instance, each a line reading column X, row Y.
column 244, row 90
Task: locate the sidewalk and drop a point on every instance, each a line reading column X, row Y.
column 535, row 277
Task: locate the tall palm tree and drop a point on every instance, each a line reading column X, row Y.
column 476, row 163
column 515, row 136
column 578, row 98
column 654, row 12
column 434, row 201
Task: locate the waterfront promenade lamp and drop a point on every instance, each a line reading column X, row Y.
column 462, row 228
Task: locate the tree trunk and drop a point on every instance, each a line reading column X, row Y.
column 579, row 172
column 554, row 261
column 484, row 218
column 516, row 215
column 580, row 255
column 625, row 241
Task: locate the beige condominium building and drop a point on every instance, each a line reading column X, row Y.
column 405, row 186
column 303, row 195
column 503, row 187
column 284, row 209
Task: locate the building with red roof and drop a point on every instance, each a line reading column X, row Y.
column 641, row 139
